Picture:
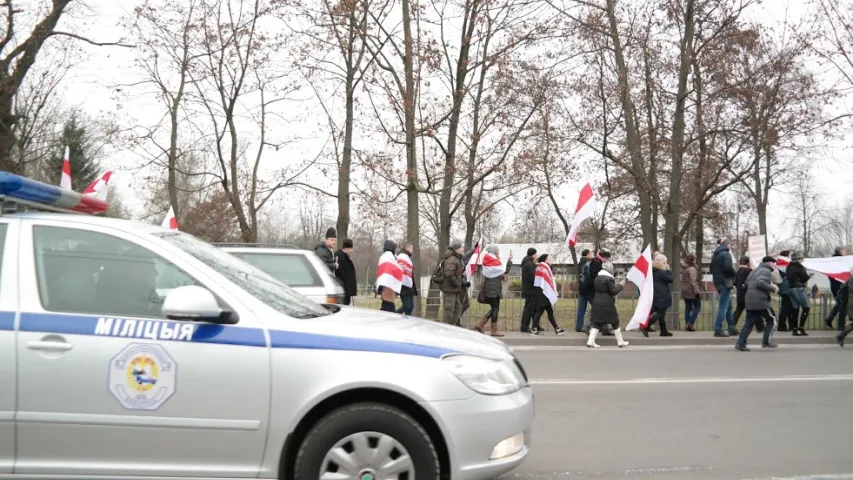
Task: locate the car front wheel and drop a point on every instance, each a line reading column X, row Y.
column 367, row 441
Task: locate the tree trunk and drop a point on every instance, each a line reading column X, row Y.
column 346, row 160
column 413, row 232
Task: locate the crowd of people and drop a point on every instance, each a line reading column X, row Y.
column 598, row 290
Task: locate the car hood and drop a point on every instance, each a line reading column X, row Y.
column 379, row 325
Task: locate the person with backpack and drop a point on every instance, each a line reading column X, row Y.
column 583, row 279
column 528, row 274
column 451, row 286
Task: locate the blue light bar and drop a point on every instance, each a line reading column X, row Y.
column 26, row 191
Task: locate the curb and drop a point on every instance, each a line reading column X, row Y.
column 574, row 339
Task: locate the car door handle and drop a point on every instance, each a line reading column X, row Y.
column 50, row 346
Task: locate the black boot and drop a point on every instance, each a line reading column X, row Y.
column 792, row 321
column 839, row 337
column 803, row 318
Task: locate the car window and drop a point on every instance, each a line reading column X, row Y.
column 251, row 279
column 291, row 269
column 79, row 271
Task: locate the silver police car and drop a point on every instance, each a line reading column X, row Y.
column 132, row 351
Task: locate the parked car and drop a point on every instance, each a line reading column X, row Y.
column 131, row 351
column 301, row 270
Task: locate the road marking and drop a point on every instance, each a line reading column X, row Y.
column 653, row 348
column 655, row 381
column 810, row 477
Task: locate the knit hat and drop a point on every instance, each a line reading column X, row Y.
column 604, row 253
column 331, row 233
column 455, row 245
column 768, row 259
column 492, row 249
column 348, row 243
column 390, row 246
column 797, row 257
column 607, row 267
column 661, row 258
column 531, row 251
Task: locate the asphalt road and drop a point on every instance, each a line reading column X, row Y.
column 690, row 413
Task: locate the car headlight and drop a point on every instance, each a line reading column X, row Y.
column 484, row 375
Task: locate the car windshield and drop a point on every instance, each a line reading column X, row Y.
column 251, row 279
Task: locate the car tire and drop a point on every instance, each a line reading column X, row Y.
column 362, row 421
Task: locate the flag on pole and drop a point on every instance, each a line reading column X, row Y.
column 170, row 221
column 836, row 268
column 474, row 260
column 389, row 274
column 585, row 209
column 641, row 276
column 65, row 179
column 100, row 187
column 544, row 279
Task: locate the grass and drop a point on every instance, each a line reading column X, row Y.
column 565, row 312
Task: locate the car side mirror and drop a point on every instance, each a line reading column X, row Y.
column 192, row 302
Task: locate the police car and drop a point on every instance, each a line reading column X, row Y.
column 132, row 351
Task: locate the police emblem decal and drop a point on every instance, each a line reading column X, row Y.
column 142, row 376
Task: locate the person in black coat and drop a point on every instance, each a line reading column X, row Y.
column 595, row 266
column 662, row 299
column 604, row 314
column 346, row 272
column 528, row 272
column 743, row 271
column 798, row 279
column 834, row 287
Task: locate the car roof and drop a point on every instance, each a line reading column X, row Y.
column 249, row 249
column 117, row 223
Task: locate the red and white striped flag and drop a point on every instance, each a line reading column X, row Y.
column 544, row 279
column 405, row 263
column 492, row 267
column 170, row 221
column 474, row 260
column 65, row 179
column 641, row 276
column 389, row 274
column 585, row 209
column 837, row 268
column 100, row 187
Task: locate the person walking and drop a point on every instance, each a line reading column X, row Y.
column 595, row 266
column 798, row 279
column 845, row 299
column 583, row 281
column 346, row 272
column 452, row 287
column 759, row 287
column 494, row 275
column 389, row 277
column 528, row 274
column 662, row 298
column 409, row 290
column 690, row 292
column 743, row 271
column 835, row 287
column 604, row 311
column 723, row 274
column 546, row 295
column 325, row 248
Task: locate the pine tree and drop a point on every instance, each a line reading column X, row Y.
column 84, row 168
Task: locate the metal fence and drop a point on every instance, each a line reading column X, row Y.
column 566, row 310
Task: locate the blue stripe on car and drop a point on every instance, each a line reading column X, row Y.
column 165, row 330
column 7, row 321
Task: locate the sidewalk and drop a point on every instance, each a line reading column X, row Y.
column 574, row 339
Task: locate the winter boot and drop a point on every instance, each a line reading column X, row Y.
column 482, row 323
column 839, row 337
column 494, row 330
column 619, row 340
column 663, row 330
column 792, row 322
column 590, row 343
column 803, row 318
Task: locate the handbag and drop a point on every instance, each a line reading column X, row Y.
column 481, row 294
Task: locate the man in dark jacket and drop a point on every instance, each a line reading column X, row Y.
column 325, row 248
column 583, row 300
column 835, row 286
column 759, row 287
column 798, row 279
column 528, row 274
column 346, row 272
column 846, row 309
column 723, row 273
column 743, row 271
column 452, row 286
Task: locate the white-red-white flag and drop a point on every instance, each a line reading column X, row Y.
column 492, row 267
column 837, row 268
column 471, row 268
column 100, row 187
column 389, row 274
column 544, row 279
column 585, row 209
column 65, row 179
column 641, row 276
column 170, row 221
column 405, row 263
